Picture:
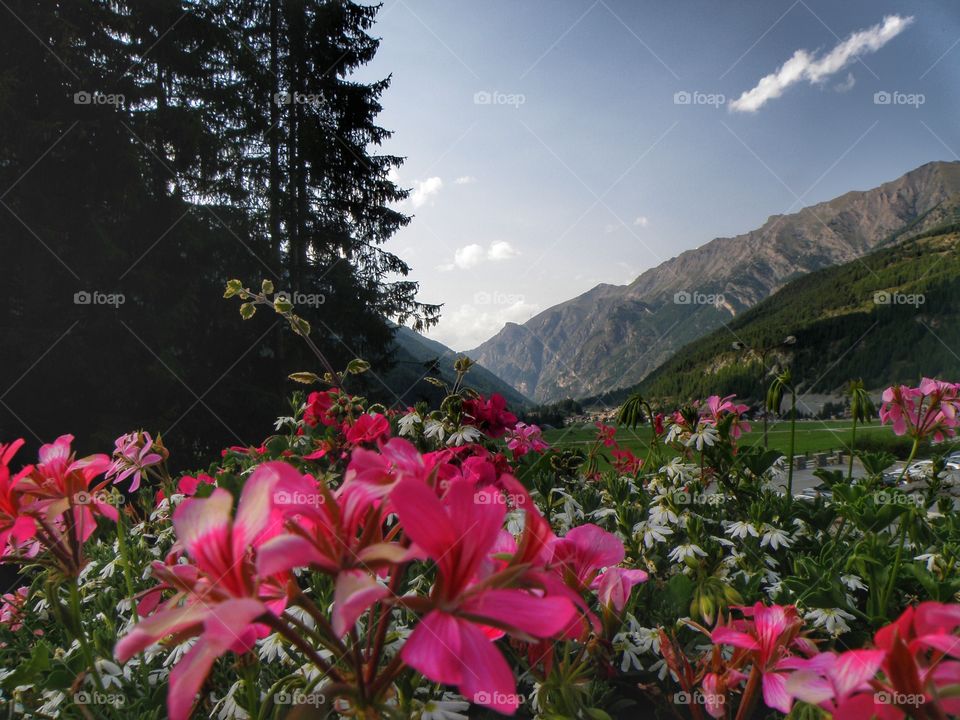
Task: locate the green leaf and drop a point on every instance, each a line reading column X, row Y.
column 357, row 366
column 307, row 378
column 26, row 673
column 233, row 287
column 247, row 310
column 266, row 287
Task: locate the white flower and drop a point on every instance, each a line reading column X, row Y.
column 631, row 652
column 464, row 435
column 434, row 429
column 673, row 433
column 107, row 570
column 930, row 559
column 227, row 708
column 408, row 423
column 852, row 582
column 660, row 515
column 704, row 435
column 774, row 537
column 741, row 529
column 652, row 533
column 281, row 421
column 647, row 639
column 682, row 552
column 446, row 709
column 271, row 648
column 833, row 619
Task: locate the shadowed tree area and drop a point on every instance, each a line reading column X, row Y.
column 149, row 151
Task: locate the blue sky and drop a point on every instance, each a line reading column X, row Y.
column 549, row 150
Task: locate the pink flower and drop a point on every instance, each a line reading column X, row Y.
column 318, row 409
column 452, row 643
column 614, row 586
column 12, row 608
column 928, row 410
column 189, row 485
column 367, row 429
column 718, row 408
column 606, row 434
column 524, row 439
column 836, row 683
column 218, row 594
column 584, row 551
column 59, row 483
column 624, row 461
column 131, row 457
column 766, row 635
column 15, row 527
column 491, row 416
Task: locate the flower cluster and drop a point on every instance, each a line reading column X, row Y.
column 929, row 410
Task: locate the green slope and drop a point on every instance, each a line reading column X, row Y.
column 841, row 331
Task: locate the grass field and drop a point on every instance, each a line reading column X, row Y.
column 812, row 436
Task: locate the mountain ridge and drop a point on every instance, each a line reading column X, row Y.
column 614, row 335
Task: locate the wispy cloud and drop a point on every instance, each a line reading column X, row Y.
column 465, row 180
column 423, row 190
column 846, row 85
column 806, row 66
column 473, row 254
column 641, row 221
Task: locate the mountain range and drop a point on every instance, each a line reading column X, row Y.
column 888, row 317
column 613, row 336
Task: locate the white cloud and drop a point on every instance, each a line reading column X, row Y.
column 501, row 250
column 472, row 255
column 846, row 85
column 423, row 190
column 469, row 256
column 465, row 180
column 806, row 66
column 641, row 221
column 470, row 325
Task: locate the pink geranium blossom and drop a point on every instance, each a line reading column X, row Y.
column 452, row 643
column 764, row 638
column 61, row 487
column 524, row 439
column 131, row 456
column 15, row 527
column 368, row 428
column 218, row 594
column 930, row 410
column 716, row 410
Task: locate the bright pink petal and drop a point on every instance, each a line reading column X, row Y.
column 155, row 627
column 517, row 610
column 775, row 694
column 285, row 552
column 725, row 635
column 188, row 676
column 853, row 669
column 198, row 518
column 355, row 592
column 487, row 679
column 614, row 586
column 434, row 648
column 423, row 518
column 257, row 519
